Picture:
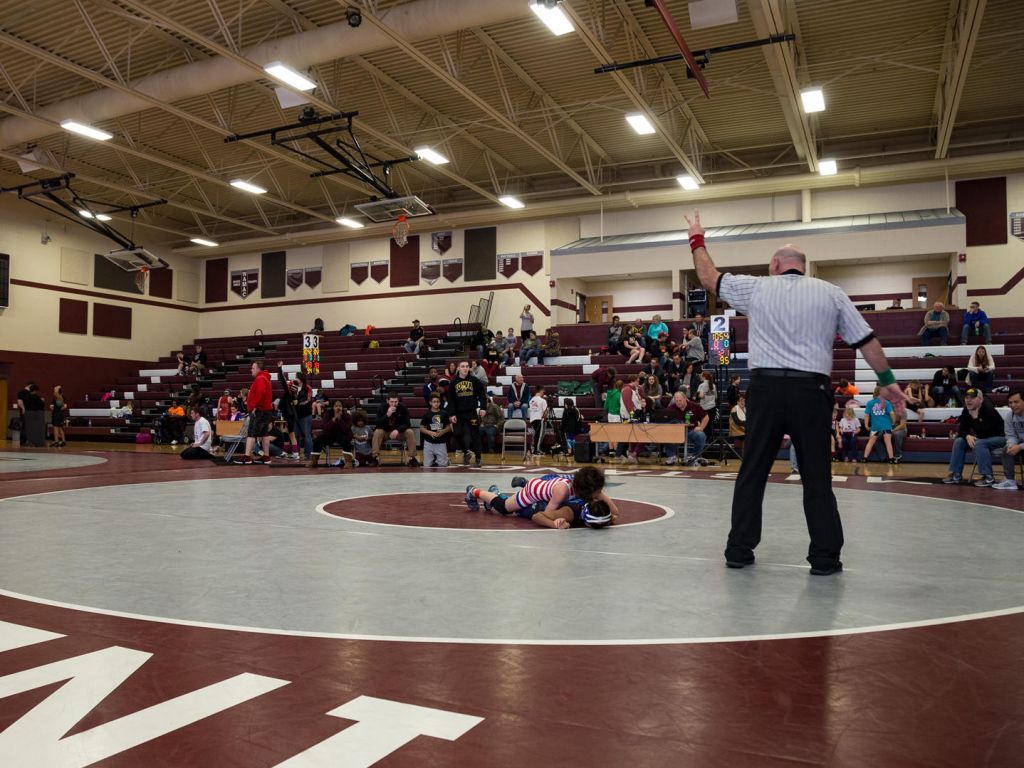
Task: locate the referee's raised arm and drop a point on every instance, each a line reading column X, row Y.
column 792, row 323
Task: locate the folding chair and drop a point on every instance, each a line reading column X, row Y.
column 348, row 456
column 396, row 445
column 515, row 432
column 997, row 460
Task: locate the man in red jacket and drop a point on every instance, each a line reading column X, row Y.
column 261, row 416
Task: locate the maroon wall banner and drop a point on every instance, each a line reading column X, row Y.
column 430, row 271
column 1017, row 224
column 451, row 269
column 294, row 278
column 441, row 242
column 360, row 270
column 245, row 281
column 313, row 276
column 532, row 262
column 508, row 264
column 379, row 270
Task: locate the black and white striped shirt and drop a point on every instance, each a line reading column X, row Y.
column 793, row 319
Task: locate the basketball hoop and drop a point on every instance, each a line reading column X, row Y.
column 400, row 232
column 140, row 279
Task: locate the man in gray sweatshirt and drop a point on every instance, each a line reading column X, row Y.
column 1013, row 453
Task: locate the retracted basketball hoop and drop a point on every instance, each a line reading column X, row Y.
column 400, row 232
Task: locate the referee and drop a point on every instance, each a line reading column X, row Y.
column 793, row 320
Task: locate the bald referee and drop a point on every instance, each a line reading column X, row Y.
column 793, row 320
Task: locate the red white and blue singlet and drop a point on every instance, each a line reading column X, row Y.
column 541, row 489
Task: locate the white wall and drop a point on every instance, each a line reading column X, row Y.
column 635, row 292
column 893, row 276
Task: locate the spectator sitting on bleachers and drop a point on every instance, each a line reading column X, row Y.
column 174, row 423
column 732, row 394
column 504, row 349
column 982, row 369
column 414, row 342
column 198, row 364
column 197, row 399
column 652, row 388
column 451, row 370
column 690, row 380
column 653, row 368
column 224, row 405
column 552, row 344
column 519, row 398
column 945, row 390
column 477, row 370
column 674, row 370
column 696, row 437
column 654, row 331
column 878, row 421
column 514, row 343
column 183, row 362
column 701, row 328
column 435, row 429
column 241, row 400
column 203, row 437
column 936, row 324
column 234, row 414
column 362, row 439
column 639, row 329
column 481, row 339
column 430, row 385
column 1013, row 453
column 531, row 350
column 976, row 324
column 490, row 424
column 896, row 304
column 633, row 349
column 848, row 429
column 738, row 421
column 917, row 400
column 981, row 430
column 335, row 430
column 693, row 351
column 846, row 391
column 615, row 336
column 490, row 361
column 393, row 423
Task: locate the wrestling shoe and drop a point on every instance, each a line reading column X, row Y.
column 518, row 481
column 495, row 490
column 471, row 500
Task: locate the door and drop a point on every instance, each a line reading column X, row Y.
column 599, row 309
column 927, row 290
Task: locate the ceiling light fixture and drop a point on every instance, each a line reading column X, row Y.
column 203, row 241
column 90, row 215
column 426, row 153
column 511, row 202
column 552, row 16
column 85, row 130
column 813, row 100
column 289, row 76
column 245, row 186
column 827, row 167
column 640, row 124
column 350, row 223
column 688, row 183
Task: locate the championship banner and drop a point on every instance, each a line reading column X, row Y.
column 245, row 281
column 379, row 270
column 313, row 276
column 1017, row 224
column 293, row 278
column 532, row 262
column 311, row 354
column 440, row 242
column 430, row 271
column 451, row 269
column 508, row 264
column 719, row 351
column 360, row 270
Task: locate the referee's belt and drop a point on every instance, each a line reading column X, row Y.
column 788, row 373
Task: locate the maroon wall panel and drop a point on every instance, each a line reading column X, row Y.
column 161, row 283
column 111, row 321
column 216, row 280
column 405, row 263
column 983, row 202
column 74, row 316
column 78, row 375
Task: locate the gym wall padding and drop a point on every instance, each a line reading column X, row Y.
column 73, row 316
column 272, row 277
column 405, row 263
column 216, row 280
column 481, row 254
column 161, row 283
column 111, row 321
column 983, row 202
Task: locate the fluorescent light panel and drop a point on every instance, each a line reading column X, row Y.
column 245, row 186
column 85, row 130
column 350, row 223
column 640, row 124
column 428, row 154
column 813, row 100
column 511, row 202
column 89, row 215
column 289, row 76
column 203, row 241
column 553, row 18
column 688, row 182
column 827, row 167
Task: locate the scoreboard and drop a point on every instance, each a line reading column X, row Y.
column 719, row 350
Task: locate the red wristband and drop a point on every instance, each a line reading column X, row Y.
column 696, row 241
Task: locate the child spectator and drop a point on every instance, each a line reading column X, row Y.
column 878, row 421
column 436, row 430
column 491, row 423
column 848, row 429
column 362, row 436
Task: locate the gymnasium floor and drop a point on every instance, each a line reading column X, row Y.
column 262, row 616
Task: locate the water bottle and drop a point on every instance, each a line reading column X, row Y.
column 687, row 418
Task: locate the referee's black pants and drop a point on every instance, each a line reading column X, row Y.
column 800, row 406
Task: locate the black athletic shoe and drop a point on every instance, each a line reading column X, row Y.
column 739, row 563
column 518, row 481
column 826, row 570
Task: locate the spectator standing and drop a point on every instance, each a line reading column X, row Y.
column 981, row 430
column 467, row 404
column 738, row 422
column 707, row 396
column 1013, row 453
column 694, row 349
column 878, row 421
column 202, row 440
column 945, row 390
column 414, row 342
column 572, row 423
column 19, row 400
column 519, row 398
column 538, row 411
column 304, row 416
column 702, row 329
column 430, row 385
column 732, row 395
column 604, row 380
column 525, row 323
column 982, row 369
column 612, row 414
column 936, row 324
column 59, row 418
column 976, row 324
column 224, row 406
column 393, row 423
column 35, row 417
column 793, row 323
column 435, row 429
column 615, row 336
column 899, row 434
column 688, row 412
column 286, row 406
column 848, row 429
column 335, row 430
column 491, row 423
column 260, row 406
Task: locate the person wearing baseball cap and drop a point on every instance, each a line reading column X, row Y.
column 981, row 430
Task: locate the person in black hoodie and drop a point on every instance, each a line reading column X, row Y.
column 286, row 407
column 982, row 431
column 335, row 429
column 467, row 404
column 393, row 423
